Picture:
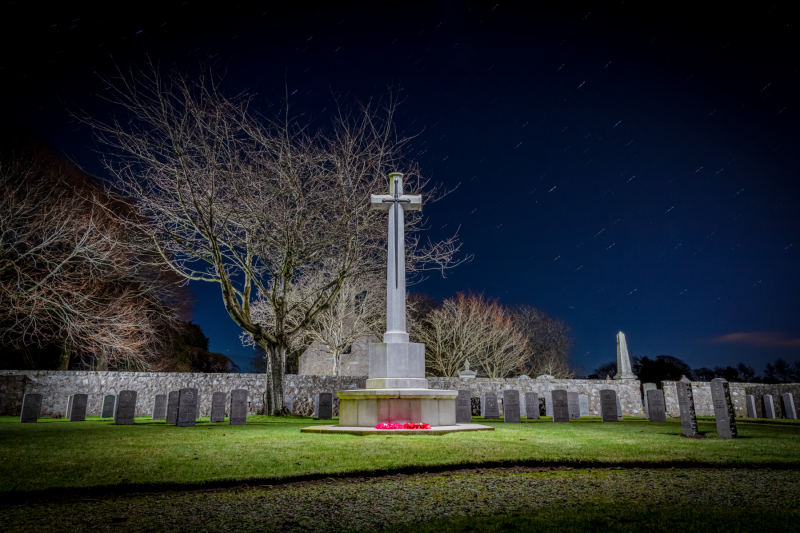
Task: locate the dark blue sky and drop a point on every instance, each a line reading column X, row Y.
column 621, row 167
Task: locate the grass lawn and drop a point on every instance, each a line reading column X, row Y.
column 58, row 454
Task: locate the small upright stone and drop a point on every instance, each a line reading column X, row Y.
column 173, row 399
column 583, row 403
column 160, row 407
column 77, row 412
column 560, row 406
column 656, row 406
column 288, row 401
column 511, row 407
column 187, row 407
column 125, row 407
column 751, row 407
column 218, row 407
column 768, row 406
column 608, row 405
column 548, row 404
column 31, row 408
column 646, row 387
column 323, row 406
column 464, row 407
column 108, row 406
column 686, row 406
column 723, row 409
column 531, row 406
column 489, row 407
column 789, row 411
column 238, row 413
column 619, row 409
column 197, row 406
column 574, row 406
column 69, row 407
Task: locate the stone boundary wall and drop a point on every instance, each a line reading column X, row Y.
column 302, row 389
column 758, row 391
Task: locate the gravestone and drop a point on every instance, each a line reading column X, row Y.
column 69, row 407
column 789, row 412
column 160, row 407
column 560, row 406
column 288, row 401
column 218, row 407
column 31, row 408
column 197, row 407
column 511, row 412
column 237, row 416
column 608, row 406
column 656, row 405
column 323, row 406
column 489, row 407
column 574, row 406
column 531, row 406
column 724, row 414
column 172, row 407
column 767, row 406
column 646, row 387
column 108, row 406
column 619, row 408
column 125, row 407
column 583, row 403
column 751, row 407
column 187, row 407
column 77, row 411
column 686, row 406
column 464, row 407
column 548, row 404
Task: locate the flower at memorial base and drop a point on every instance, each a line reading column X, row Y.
column 403, row 426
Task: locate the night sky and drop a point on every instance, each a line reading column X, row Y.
column 620, row 167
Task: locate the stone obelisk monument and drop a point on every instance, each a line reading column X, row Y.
column 623, row 359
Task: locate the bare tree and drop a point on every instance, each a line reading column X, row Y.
column 549, row 342
column 255, row 205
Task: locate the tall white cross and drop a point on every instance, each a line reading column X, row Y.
column 396, row 269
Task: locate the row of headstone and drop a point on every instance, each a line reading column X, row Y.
column 183, row 407
column 724, row 415
column 768, row 406
column 572, row 404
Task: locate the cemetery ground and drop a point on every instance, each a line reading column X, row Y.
column 579, row 476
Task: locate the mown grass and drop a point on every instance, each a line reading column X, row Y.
column 58, row 454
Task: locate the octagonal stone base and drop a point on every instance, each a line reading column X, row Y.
column 370, row 407
column 441, row 430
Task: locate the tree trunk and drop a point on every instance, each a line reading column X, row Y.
column 66, row 353
column 278, row 368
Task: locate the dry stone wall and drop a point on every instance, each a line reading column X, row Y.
column 703, row 405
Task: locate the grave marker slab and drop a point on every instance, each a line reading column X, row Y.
column 237, row 416
column 574, row 406
column 531, row 406
column 125, row 407
column 646, row 387
column 160, row 407
column 583, row 403
column 489, row 407
column 323, row 406
column 723, row 409
column 187, row 407
column 77, row 412
column 197, row 407
column 656, row 405
column 548, row 404
column 619, row 408
column 789, row 410
column 464, row 407
column 751, row 407
column 31, row 408
column 560, row 406
column 218, row 407
column 511, row 412
column 608, row 405
column 768, row 406
column 686, row 406
column 69, row 407
column 173, row 398
column 288, row 401
column 108, row 406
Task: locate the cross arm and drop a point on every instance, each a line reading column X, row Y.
column 409, row 202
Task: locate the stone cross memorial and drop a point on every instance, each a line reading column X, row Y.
column 548, row 404
column 574, row 406
column 751, row 407
column 531, row 406
column 464, row 407
column 789, row 411
column 172, row 407
column 583, row 403
column 724, row 414
column 511, row 412
column 489, row 407
column 218, row 407
column 237, row 416
column 560, row 406
column 77, row 411
column 31, row 408
column 656, row 405
column 108, row 406
column 768, row 407
column 323, row 406
column 187, row 407
column 125, row 407
column 160, row 407
column 646, row 387
column 686, row 406
column 608, row 405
